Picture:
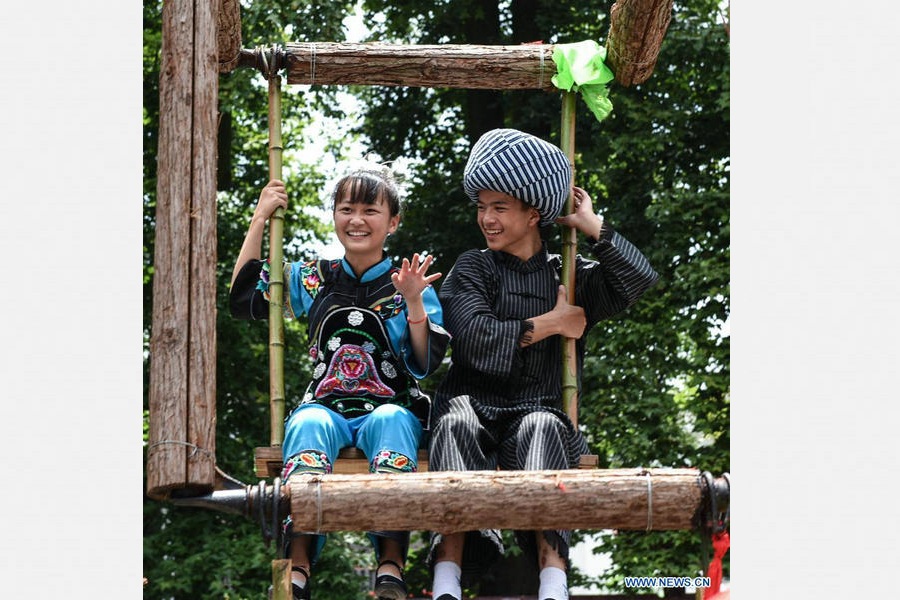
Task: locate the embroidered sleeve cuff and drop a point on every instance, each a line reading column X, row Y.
column 263, row 283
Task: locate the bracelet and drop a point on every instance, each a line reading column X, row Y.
column 422, row 320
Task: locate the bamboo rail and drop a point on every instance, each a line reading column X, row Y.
column 569, row 248
column 276, row 273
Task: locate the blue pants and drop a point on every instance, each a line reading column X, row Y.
column 388, row 436
column 315, row 427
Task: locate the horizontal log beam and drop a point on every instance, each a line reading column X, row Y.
column 465, row 66
column 451, row 501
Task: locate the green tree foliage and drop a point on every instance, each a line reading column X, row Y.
column 656, row 381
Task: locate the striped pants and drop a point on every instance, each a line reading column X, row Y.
column 468, row 437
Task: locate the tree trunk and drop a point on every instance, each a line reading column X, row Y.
column 483, row 107
column 529, row 66
column 524, row 22
column 636, row 32
column 224, row 138
column 449, row 501
column 181, row 452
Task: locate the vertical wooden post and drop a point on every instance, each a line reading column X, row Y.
column 276, row 274
column 201, row 401
column 569, row 248
column 281, row 579
column 182, row 391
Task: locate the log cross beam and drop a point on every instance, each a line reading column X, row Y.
column 664, row 499
column 465, row 66
column 625, row 499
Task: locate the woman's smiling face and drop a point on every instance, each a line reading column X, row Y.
column 362, row 228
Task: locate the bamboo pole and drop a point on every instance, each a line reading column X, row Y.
column 570, row 245
column 276, row 273
column 454, row 501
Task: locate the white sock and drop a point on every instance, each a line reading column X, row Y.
column 446, row 579
column 553, row 584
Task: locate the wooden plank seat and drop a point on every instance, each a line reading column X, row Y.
column 268, row 461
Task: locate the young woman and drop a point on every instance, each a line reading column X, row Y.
column 375, row 329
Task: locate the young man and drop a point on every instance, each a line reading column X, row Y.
column 501, row 401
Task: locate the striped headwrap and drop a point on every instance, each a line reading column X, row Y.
column 523, row 166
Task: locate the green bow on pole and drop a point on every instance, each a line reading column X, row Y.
column 580, row 68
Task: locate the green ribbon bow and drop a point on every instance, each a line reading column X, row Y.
column 580, row 67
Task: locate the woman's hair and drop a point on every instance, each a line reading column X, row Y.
column 367, row 186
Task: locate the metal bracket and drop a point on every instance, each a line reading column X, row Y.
column 265, row 503
column 714, row 511
column 267, row 61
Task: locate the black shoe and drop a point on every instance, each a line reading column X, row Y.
column 388, row 587
column 297, row 592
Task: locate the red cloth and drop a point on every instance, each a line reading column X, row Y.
column 721, row 543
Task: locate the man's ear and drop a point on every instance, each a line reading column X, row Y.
column 535, row 217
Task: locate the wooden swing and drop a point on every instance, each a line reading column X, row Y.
column 636, row 33
column 528, row 66
column 181, row 454
column 385, row 64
